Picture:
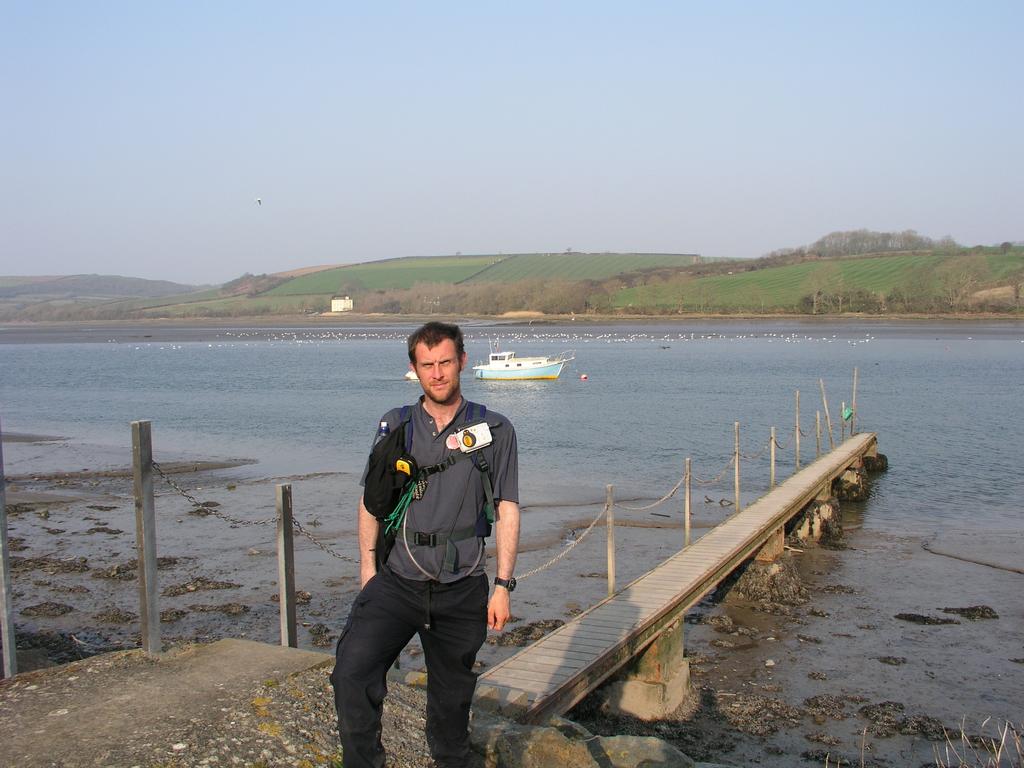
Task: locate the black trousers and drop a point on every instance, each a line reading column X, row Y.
column 451, row 621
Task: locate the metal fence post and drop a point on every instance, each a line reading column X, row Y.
column 610, row 507
column 686, row 506
column 145, row 535
column 286, row 566
column 6, row 598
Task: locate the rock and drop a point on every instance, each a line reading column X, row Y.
column 775, row 582
column 508, row 745
column 879, row 463
column 642, row 751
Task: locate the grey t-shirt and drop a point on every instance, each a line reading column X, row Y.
column 453, row 499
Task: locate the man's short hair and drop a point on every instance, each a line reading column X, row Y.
column 432, row 334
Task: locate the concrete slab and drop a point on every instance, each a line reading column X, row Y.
column 84, row 713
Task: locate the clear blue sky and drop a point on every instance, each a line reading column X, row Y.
column 136, row 136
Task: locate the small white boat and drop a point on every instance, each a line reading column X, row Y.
column 506, row 366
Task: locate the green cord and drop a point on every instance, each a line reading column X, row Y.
column 394, row 520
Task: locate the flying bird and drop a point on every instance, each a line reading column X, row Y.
column 259, row 201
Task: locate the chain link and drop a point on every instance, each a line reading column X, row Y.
column 237, row 521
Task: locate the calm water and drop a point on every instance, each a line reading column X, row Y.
column 944, row 400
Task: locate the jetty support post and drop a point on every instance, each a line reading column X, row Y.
column 828, row 416
column 6, row 595
column 842, row 420
column 736, row 469
column 771, row 471
column 656, row 682
column 145, row 535
column 686, row 504
column 286, row 566
column 796, row 433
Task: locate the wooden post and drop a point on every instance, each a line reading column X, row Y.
column 828, row 416
column 286, row 566
column 145, row 535
column 736, row 471
column 817, row 433
column 686, row 506
column 842, row 421
column 771, row 473
column 853, row 406
column 6, row 598
column 796, row 432
column 610, row 506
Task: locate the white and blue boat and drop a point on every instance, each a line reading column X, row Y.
column 506, row 366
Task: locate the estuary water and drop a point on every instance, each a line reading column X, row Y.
column 302, row 403
column 944, row 399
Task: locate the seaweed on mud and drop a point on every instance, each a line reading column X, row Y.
column 50, row 565
column 198, row 584
column 526, row 634
column 47, row 609
column 116, row 616
column 973, row 612
column 917, row 618
column 229, row 609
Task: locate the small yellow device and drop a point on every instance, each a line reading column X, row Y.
column 402, row 465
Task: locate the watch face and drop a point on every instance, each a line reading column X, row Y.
column 511, row 584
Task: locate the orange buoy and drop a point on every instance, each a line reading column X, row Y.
column 583, row 377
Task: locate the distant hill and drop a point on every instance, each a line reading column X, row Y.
column 88, row 286
column 859, row 271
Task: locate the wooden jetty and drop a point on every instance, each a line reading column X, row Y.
column 554, row 673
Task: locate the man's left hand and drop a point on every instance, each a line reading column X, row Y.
column 498, row 611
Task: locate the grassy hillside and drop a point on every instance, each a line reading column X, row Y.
column 937, row 281
column 576, row 266
column 384, row 275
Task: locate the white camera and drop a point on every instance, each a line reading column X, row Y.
column 473, row 438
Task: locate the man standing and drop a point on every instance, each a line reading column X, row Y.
column 433, row 583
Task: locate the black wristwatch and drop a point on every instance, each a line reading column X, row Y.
column 509, row 584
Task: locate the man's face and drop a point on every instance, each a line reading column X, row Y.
column 438, row 370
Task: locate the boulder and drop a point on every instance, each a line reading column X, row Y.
column 642, row 752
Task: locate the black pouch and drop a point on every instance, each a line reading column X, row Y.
column 389, row 470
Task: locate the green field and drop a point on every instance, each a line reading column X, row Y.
column 783, row 288
column 384, row 275
column 576, row 266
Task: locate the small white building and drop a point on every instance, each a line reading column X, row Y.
column 341, row 304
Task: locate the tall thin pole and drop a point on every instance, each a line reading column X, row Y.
column 610, row 512
column 686, row 506
column 286, row 566
column 6, row 598
column 736, row 470
column 145, row 535
column 817, row 434
column 853, row 406
column 771, row 478
column 842, row 420
column 796, row 432
column 828, row 416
